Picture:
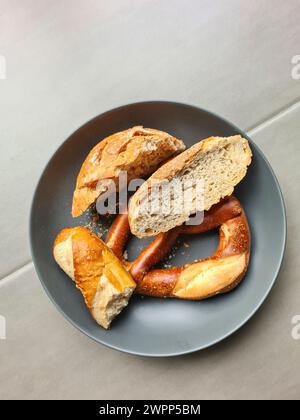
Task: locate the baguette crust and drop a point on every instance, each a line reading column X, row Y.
column 103, row 281
column 138, row 150
column 174, row 168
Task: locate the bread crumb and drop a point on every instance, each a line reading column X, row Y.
column 167, row 266
column 96, row 223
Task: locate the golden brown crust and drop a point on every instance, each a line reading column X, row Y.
column 138, row 150
column 201, row 279
column 88, row 261
column 224, row 270
column 87, row 247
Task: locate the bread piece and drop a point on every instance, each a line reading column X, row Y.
column 216, row 163
column 138, row 150
column 103, row 281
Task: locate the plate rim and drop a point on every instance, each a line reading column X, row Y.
column 195, row 348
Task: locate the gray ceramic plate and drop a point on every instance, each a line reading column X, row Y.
column 149, row 326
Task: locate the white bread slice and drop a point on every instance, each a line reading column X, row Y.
column 216, row 163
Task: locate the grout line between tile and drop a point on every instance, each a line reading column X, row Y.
column 251, row 131
column 15, row 273
column 273, row 118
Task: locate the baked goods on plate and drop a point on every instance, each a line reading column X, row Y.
column 138, row 151
column 217, row 164
column 105, row 279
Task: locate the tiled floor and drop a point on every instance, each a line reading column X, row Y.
column 66, row 64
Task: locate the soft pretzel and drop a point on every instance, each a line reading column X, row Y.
column 200, row 279
column 103, row 281
column 138, row 151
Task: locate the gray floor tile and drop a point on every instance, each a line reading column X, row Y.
column 66, row 64
column 45, row 357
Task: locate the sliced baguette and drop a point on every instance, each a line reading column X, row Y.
column 217, row 163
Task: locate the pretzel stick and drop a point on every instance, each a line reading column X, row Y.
column 118, row 235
